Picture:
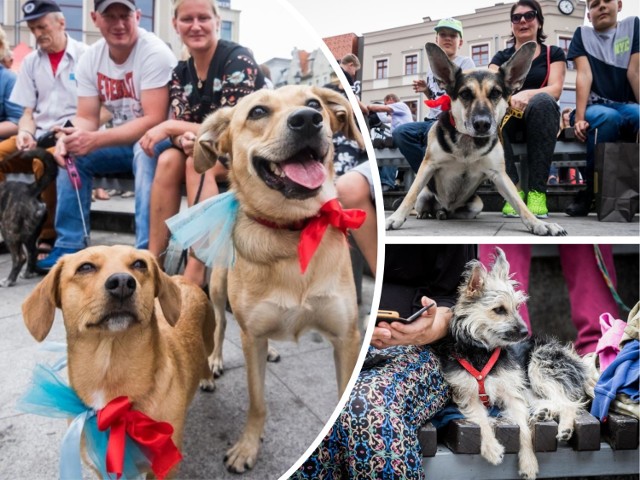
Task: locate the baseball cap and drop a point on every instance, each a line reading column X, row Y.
column 38, row 8
column 101, row 5
column 450, row 23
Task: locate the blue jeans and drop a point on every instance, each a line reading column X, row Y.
column 411, row 140
column 612, row 121
column 68, row 223
column 388, row 175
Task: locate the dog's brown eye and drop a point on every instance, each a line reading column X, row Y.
column 86, row 268
column 500, row 310
column 495, row 94
column 466, row 95
column 313, row 103
column 258, row 112
column 139, row 265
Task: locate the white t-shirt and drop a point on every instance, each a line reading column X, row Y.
column 433, row 89
column 401, row 114
column 53, row 98
column 119, row 87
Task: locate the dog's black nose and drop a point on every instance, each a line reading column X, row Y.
column 305, row 121
column 120, row 285
column 482, row 124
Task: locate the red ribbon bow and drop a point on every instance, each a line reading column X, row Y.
column 153, row 437
column 443, row 101
column 331, row 213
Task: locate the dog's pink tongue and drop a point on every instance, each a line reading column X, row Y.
column 310, row 173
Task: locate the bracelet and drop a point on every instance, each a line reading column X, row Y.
column 27, row 131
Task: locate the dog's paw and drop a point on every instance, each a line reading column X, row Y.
column 207, row 385
column 242, row 456
column 394, row 222
column 527, row 465
column 217, row 367
column 548, row 229
column 542, row 415
column 272, row 355
column 564, row 434
column 492, row 451
column 6, row 283
column 441, row 214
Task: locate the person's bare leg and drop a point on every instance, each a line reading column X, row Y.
column 165, row 198
column 353, row 192
column 195, row 270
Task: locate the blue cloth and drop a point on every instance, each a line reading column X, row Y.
column 411, row 140
column 68, row 222
column 619, row 377
column 8, row 110
column 49, row 396
column 451, row 412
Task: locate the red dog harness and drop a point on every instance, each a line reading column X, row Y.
column 481, row 376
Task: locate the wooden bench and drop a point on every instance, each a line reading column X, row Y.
column 610, row 448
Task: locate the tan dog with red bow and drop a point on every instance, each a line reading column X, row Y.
column 279, row 144
column 132, row 331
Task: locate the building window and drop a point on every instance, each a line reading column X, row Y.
column 382, row 68
column 72, row 11
column 563, row 43
column 147, row 9
column 411, row 64
column 226, row 30
column 480, row 54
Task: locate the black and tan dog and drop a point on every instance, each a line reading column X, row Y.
column 531, row 378
column 22, row 215
column 463, row 146
column 280, row 150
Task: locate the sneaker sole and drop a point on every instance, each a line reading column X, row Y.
column 510, row 215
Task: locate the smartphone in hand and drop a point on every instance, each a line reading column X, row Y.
column 393, row 316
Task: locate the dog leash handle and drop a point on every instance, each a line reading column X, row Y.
column 72, row 171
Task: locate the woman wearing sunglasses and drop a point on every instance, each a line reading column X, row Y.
column 534, row 116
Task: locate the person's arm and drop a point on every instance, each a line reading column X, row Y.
column 26, row 137
column 380, row 108
column 584, row 79
column 13, row 112
column 633, row 75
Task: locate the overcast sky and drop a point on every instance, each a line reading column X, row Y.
column 271, row 28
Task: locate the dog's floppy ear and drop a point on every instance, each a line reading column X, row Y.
column 39, row 309
column 444, row 70
column 212, row 140
column 475, row 279
column 168, row 295
column 515, row 70
column 500, row 266
column 342, row 118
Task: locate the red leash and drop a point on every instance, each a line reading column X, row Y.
column 481, row 376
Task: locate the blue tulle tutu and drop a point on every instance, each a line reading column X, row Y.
column 207, row 228
column 49, row 396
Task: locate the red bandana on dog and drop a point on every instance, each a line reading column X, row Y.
column 443, row 101
column 153, row 437
column 312, row 229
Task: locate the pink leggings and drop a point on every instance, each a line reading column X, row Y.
column 588, row 292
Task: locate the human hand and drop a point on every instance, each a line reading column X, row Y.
column 153, row 136
column 25, row 141
column 520, row 100
column 419, row 86
column 581, row 129
column 187, row 141
column 76, row 142
column 60, row 151
column 432, row 325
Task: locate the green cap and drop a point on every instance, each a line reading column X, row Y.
column 450, row 23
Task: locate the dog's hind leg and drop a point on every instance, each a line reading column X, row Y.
column 426, row 204
column 243, row 455
column 345, row 355
column 218, row 296
column 18, row 259
column 471, row 209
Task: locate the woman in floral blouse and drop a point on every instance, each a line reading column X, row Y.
column 216, row 75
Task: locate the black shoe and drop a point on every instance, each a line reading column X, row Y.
column 581, row 205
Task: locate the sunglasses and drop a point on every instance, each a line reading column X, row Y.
column 528, row 16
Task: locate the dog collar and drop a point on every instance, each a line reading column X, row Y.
column 481, row 376
column 312, row 229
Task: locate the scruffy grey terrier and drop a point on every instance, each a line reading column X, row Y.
column 531, row 379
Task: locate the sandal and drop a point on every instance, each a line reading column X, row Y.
column 44, row 248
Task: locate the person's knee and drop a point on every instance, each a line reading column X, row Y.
column 353, row 190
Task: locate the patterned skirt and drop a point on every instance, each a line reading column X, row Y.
column 376, row 435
